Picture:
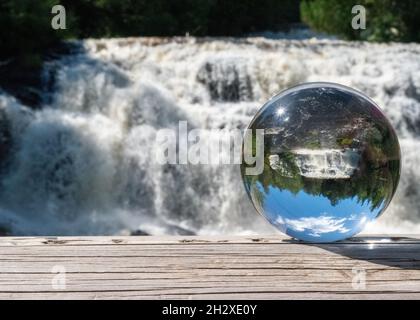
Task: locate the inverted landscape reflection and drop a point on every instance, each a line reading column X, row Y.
column 331, row 162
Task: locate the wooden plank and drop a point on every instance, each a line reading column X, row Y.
column 369, row 267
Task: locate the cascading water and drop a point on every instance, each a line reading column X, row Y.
column 82, row 164
column 327, row 163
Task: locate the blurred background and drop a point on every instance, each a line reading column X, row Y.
column 80, row 107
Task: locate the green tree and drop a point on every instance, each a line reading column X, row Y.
column 386, row 20
column 26, row 29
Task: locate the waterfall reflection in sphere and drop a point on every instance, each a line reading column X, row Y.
column 331, row 162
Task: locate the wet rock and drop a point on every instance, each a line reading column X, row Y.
column 139, row 232
column 22, row 83
column 226, row 81
column 4, row 231
column 5, row 139
column 26, row 83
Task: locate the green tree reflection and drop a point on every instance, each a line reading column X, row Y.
column 373, row 181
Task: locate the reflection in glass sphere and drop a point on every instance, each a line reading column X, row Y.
column 331, row 162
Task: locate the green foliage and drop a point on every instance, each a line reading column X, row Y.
column 98, row 18
column 330, row 16
column 344, row 142
column 26, row 24
column 232, row 18
column 386, row 20
column 26, row 29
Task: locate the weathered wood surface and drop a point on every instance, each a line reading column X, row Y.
column 208, row 268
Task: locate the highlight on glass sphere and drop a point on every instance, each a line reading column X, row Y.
column 331, row 162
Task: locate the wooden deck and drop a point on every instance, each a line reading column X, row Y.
column 208, row 268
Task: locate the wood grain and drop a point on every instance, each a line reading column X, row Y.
column 209, row 268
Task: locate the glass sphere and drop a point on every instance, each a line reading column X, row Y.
column 331, row 162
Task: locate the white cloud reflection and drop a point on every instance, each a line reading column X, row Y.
column 315, row 226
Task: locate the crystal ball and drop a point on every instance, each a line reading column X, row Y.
column 320, row 161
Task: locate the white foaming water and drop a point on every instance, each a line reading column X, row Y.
column 327, row 163
column 82, row 164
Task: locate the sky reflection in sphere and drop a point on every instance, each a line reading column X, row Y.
column 331, row 162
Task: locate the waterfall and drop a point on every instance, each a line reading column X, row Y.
column 327, row 163
column 82, row 164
